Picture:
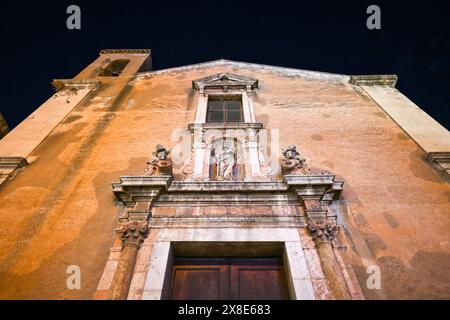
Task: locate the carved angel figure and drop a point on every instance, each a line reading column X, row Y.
column 161, row 153
column 160, row 164
column 293, row 161
column 225, row 164
column 292, row 153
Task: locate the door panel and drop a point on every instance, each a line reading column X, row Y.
column 199, row 282
column 228, row 278
column 258, row 283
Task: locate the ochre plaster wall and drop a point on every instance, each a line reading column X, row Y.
column 60, row 209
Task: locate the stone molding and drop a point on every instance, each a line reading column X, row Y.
column 132, row 189
column 125, row 51
column 79, row 84
column 228, row 222
column 226, row 186
column 222, row 125
column 8, row 166
column 374, row 80
column 441, row 160
column 12, row 162
column 225, row 81
column 297, row 271
column 282, row 71
column 315, row 192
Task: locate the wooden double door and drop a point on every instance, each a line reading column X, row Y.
column 228, row 279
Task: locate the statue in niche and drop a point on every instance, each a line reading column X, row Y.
column 225, row 164
column 161, row 164
column 292, row 161
column 224, row 161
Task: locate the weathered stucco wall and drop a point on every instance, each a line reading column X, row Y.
column 60, row 210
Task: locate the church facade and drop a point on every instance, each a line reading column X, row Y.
column 224, row 180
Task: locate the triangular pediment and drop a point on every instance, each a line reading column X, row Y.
column 253, row 67
column 225, row 80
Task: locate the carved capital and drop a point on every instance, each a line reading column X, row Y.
column 323, row 231
column 133, row 233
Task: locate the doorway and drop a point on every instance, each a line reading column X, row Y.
column 228, row 279
column 257, row 244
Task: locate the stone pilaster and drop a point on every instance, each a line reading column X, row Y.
column 253, row 146
column 316, row 193
column 132, row 235
column 137, row 194
column 323, row 233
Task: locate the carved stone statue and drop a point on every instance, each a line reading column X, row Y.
column 161, row 153
column 225, row 164
column 292, row 161
column 161, row 164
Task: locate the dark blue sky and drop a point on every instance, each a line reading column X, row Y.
column 331, row 36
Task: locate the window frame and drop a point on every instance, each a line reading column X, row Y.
column 225, row 111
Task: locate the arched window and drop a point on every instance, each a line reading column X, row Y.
column 115, row 68
column 227, row 161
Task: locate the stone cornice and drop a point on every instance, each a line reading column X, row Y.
column 439, row 156
column 132, row 189
column 374, row 80
column 228, row 221
column 229, row 125
column 236, row 198
column 309, row 186
column 441, row 160
column 226, row 186
column 315, row 192
column 283, row 71
column 79, row 84
column 12, row 162
column 125, row 51
column 322, row 188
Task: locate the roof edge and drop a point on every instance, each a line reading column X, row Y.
column 318, row 75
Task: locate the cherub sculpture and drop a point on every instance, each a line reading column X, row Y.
column 292, row 161
column 161, row 153
column 161, row 164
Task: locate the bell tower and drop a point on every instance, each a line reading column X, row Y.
column 117, row 63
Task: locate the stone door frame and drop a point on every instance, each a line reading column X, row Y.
column 159, row 269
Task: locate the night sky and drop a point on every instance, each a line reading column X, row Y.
column 331, row 36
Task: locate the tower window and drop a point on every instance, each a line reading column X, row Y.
column 115, row 68
column 225, row 108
